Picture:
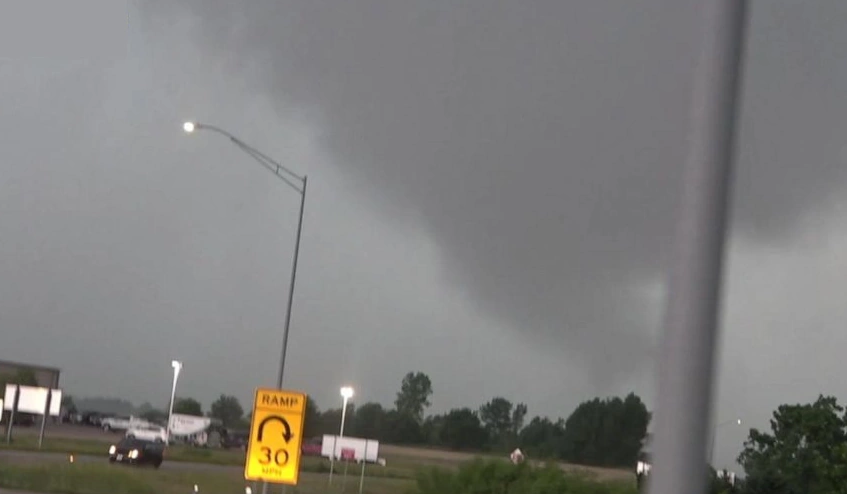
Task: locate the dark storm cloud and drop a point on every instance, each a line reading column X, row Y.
column 540, row 142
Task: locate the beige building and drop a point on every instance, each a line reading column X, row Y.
column 47, row 377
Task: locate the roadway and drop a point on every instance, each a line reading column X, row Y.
column 34, row 456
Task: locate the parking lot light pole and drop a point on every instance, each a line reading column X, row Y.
column 177, row 366
column 346, row 394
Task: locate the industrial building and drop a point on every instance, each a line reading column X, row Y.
column 47, row 377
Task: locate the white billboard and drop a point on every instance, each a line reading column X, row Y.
column 186, row 425
column 353, row 448
column 33, row 400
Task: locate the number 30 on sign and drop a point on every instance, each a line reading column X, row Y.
column 276, row 435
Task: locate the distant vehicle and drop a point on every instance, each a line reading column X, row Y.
column 312, row 447
column 137, row 452
column 122, row 423
column 71, row 418
column 147, row 433
column 92, row 418
column 24, row 419
column 234, row 439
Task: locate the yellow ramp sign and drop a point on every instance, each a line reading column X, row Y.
column 276, row 435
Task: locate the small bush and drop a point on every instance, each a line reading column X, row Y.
column 499, row 477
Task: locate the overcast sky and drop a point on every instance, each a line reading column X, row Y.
column 492, row 188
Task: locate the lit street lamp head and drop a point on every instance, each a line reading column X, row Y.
column 347, row 392
column 189, row 127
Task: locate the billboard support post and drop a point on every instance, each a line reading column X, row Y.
column 15, row 395
column 44, row 417
column 364, row 461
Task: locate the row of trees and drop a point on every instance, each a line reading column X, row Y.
column 601, row 432
column 804, row 453
column 226, row 408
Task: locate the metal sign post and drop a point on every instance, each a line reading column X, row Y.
column 344, row 480
column 11, row 424
column 44, row 417
column 687, row 366
column 362, row 477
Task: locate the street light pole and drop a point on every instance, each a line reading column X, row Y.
column 177, row 366
column 296, row 182
column 714, row 435
column 291, row 284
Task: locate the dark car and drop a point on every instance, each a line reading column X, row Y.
column 23, row 419
column 137, row 452
column 234, row 439
column 92, row 418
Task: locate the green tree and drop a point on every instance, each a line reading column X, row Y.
column 805, row 452
column 431, row 429
column 606, row 432
column 543, row 438
column 330, row 421
column 188, row 406
column 155, row 416
column 312, row 419
column 518, row 417
column 401, row 428
column 227, row 409
column 369, row 421
column 413, row 397
column 68, row 404
column 496, row 416
column 461, row 429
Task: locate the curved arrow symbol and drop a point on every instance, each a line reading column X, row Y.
column 286, row 434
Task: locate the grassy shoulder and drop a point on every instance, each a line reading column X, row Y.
column 490, row 477
column 402, row 462
column 481, row 477
column 397, row 468
column 95, row 478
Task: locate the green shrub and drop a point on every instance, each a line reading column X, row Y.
column 499, row 477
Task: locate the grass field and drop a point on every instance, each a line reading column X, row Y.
column 402, row 463
column 96, row 478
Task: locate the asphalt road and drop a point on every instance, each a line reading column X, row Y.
column 34, row 457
